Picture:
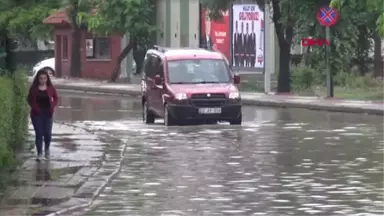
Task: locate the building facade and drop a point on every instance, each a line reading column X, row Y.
column 98, row 53
column 178, row 22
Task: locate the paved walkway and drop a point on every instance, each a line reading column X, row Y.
column 249, row 98
column 81, row 164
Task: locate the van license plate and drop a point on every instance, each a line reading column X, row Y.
column 209, row 110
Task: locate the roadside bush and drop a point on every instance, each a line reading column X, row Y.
column 20, row 110
column 6, row 119
column 13, row 120
column 302, row 77
column 305, row 77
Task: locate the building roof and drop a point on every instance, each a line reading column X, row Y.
column 60, row 17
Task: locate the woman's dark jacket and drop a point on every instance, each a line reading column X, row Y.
column 52, row 94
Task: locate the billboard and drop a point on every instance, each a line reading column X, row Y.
column 214, row 34
column 248, row 36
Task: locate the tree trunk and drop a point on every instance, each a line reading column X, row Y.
column 75, row 52
column 10, row 57
column 361, row 50
column 284, row 77
column 123, row 54
column 139, row 55
column 284, row 37
column 378, row 58
column 75, row 40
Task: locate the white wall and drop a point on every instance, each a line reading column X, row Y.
column 194, row 25
column 160, row 21
column 175, row 23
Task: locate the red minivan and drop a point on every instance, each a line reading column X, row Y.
column 189, row 85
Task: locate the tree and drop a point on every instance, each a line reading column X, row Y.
column 74, row 9
column 376, row 7
column 22, row 21
column 364, row 17
column 135, row 17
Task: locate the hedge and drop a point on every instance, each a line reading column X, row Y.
column 13, row 119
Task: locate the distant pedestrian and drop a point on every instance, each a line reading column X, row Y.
column 42, row 99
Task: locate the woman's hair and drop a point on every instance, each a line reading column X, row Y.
column 35, row 82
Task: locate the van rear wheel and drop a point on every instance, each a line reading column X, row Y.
column 148, row 116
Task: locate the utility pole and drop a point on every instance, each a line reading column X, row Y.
column 270, row 48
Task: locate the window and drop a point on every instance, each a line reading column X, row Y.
column 159, row 67
column 161, row 70
column 148, row 65
column 198, row 71
column 98, row 48
column 65, row 48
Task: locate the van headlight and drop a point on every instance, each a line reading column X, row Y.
column 181, row 96
column 234, row 95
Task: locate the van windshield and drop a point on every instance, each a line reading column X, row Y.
column 198, row 71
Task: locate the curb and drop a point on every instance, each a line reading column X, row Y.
column 255, row 102
column 98, row 89
column 96, row 192
column 317, row 107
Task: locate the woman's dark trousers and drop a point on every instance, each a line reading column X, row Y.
column 42, row 123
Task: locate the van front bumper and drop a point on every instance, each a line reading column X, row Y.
column 190, row 112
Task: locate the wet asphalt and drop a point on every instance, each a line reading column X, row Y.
column 279, row 162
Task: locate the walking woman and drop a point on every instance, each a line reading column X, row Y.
column 42, row 99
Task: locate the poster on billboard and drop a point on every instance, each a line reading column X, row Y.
column 248, row 36
column 214, row 34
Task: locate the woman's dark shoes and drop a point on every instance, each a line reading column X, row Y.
column 47, row 155
column 39, row 157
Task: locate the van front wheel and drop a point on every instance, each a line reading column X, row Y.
column 168, row 118
column 236, row 121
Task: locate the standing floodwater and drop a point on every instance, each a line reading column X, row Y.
column 280, row 162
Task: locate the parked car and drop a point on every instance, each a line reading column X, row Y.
column 48, row 64
column 182, row 85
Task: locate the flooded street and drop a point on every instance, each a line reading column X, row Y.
column 279, row 162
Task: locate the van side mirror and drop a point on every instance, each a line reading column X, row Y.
column 236, row 79
column 157, row 80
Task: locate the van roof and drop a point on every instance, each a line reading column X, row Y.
column 189, row 53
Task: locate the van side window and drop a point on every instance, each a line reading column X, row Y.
column 148, row 65
column 151, row 69
column 145, row 65
column 160, row 68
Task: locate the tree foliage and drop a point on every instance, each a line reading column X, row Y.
column 122, row 16
column 22, row 19
column 365, row 17
column 354, row 37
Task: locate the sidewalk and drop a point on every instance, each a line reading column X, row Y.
column 249, row 98
column 80, row 167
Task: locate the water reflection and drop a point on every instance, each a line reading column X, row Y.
column 73, row 108
column 43, row 172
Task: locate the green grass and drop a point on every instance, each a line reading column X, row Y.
column 251, row 87
column 372, row 93
column 251, row 82
column 367, row 89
